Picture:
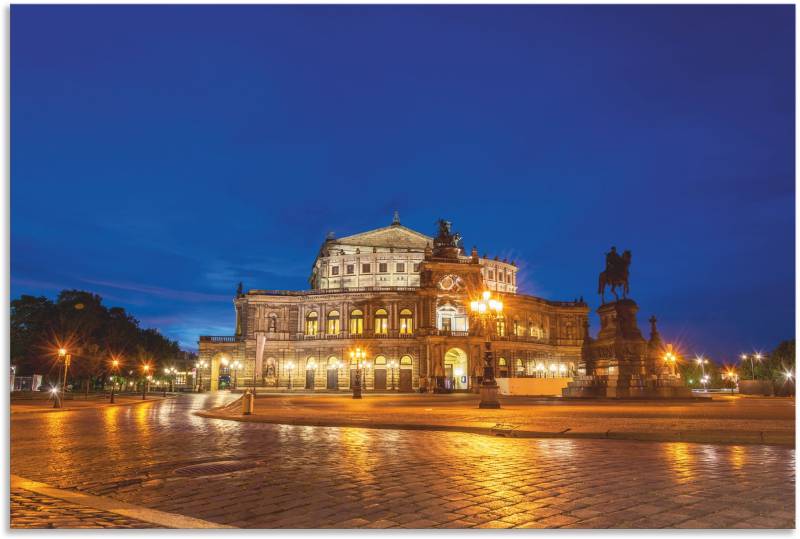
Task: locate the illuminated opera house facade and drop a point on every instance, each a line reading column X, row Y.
column 403, row 297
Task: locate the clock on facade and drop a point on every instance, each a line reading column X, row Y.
column 451, row 283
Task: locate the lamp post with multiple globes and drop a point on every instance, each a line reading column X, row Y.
column 199, row 366
column 758, row 357
column 488, row 311
column 235, row 366
column 358, row 356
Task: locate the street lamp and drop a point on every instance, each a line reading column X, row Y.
column 235, row 366
column 671, row 360
column 392, row 366
column 145, row 370
column 114, row 368
column 66, row 356
column 199, row 366
column 357, row 356
column 702, row 362
column 290, row 368
column 487, row 310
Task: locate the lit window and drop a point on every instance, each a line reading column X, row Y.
column 380, row 360
column 311, row 323
column 383, row 267
column 333, row 323
column 381, row 322
column 406, row 322
column 356, row 322
column 365, row 268
column 401, row 267
column 501, row 327
column 405, row 360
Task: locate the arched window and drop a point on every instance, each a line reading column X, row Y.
column 272, row 323
column 268, row 368
column 502, row 362
column 502, row 368
column 380, row 360
column 333, row 323
column 312, row 323
column 405, row 362
column 520, row 368
column 333, row 362
column 406, row 322
column 517, row 329
column 311, row 363
column 356, row 322
column 501, row 326
column 541, row 372
column 381, row 322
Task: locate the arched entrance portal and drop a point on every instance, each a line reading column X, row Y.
column 456, row 370
column 220, row 372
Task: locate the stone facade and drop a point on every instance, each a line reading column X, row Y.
column 404, row 303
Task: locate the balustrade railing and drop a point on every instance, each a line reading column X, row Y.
column 218, row 338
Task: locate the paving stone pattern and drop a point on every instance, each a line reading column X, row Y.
column 32, row 510
column 316, row 477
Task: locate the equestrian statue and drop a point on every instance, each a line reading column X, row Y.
column 615, row 275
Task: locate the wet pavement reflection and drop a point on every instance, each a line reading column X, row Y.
column 350, row 477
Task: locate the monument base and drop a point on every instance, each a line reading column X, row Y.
column 489, row 394
column 627, row 387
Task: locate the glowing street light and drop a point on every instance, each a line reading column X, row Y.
column 357, row 356
column 757, row 356
column 145, row 378
column 488, row 311
column 115, row 369
column 199, row 366
column 702, row 362
column 58, row 402
column 235, row 366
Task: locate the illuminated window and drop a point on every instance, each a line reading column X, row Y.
column 380, row 360
column 365, row 268
column 406, row 322
column 502, row 362
column 517, row 328
column 312, row 322
column 381, row 322
column 501, row 327
column 333, row 323
column 405, row 360
column 333, row 363
column 356, row 322
column 519, row 366
column 401, row 267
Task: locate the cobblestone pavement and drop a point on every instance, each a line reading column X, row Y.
column 31, row 510
column 302, row 477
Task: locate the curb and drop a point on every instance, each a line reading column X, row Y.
column 82, row 408
column 137, row 512
column 757, row 437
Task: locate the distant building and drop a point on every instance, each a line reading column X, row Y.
column 404, row 297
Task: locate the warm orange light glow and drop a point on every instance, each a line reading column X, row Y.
column 62, row 352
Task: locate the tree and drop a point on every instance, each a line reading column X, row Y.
column 92, row 332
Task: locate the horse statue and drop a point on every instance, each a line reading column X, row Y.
column 615, row 274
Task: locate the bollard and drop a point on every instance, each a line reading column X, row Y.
column 247, row 403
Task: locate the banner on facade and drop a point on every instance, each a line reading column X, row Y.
column 261, row 340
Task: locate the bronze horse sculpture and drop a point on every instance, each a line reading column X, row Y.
column 615, row 275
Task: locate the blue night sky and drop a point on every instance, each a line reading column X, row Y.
column 161, row 154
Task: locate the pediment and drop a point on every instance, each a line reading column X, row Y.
column 391, row 236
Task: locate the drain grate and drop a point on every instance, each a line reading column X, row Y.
column 214, row 468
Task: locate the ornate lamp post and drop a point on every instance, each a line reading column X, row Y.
column 290, row 368
column 702, row 362
column 199, row 366
column 487, row 310
column 671, row 360
column 235, row 366
column 392, row 366
column 358, row 356
column 58, row 402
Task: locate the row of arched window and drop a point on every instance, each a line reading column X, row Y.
column 536, row 368
column 356, row 320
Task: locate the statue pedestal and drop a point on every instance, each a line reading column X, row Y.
column 620, row 363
